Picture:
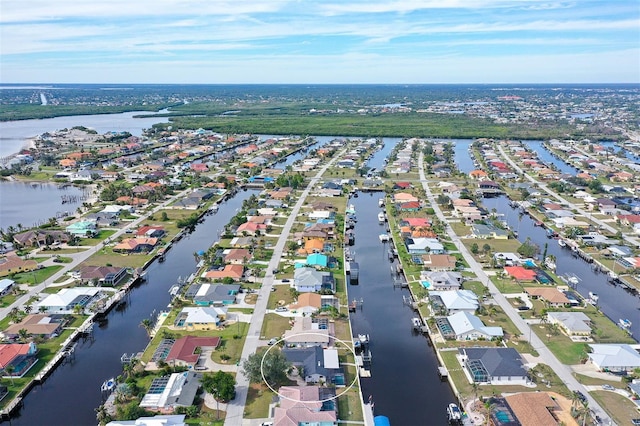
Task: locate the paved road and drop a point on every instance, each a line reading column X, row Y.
column 563, row 371
column 78, row 258
column 235, row 408
column 632, row 241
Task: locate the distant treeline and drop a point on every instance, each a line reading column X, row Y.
column 28, row 112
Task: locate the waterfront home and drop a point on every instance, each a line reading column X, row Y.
column 309, row 303
column 251, row 228
column 466, row 326
column 438, row 262
column 6, row 247
column 187, row 350
column 11, row 264
column 201, row 318
column 233, row 271
column 103, row 219
column 478, row 174
column 319, row 365
column 570, row 222
column 65, row 300
column 441, row 280
column 237, row 256
column 303, row 405
column 242, row 242
column 170, row 392
column 317, row 259
column 507, row 259
column 21, row 356
column 454, row 301
column 315, row 245
column 424, row 246
column 43, row 325
column 551, row 296
column 539, row 408
column 307, row 279
column 149, row 231
column 495, row 366
column 41, row 237
column 308, row 332
column 136, row 245
column 488, row 232
column 131, row 201
column 520, row 273
column 187, row 203
column 573, row 324
column 6, row 286
column 102, row 275
column 614, row 357
column 404, row 197
column 213, row 294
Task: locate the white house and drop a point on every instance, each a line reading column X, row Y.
column 441, row 280
column 66, row 299
column 614, row 357
column 455, row 300
column 467, row 326
column 572, row 323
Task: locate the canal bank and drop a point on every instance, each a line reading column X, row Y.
column 72, row 392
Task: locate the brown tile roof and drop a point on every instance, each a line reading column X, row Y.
column 532, row 408
column 183, row 349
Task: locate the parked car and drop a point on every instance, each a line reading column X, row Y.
column 285, row 280
column 608, row 387
column 272, row 341
column 580, row 396
column 281, row 309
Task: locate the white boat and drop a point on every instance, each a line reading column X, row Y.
column 624, row 323
column 383, row 238
column 613, row 275
column 108, row 385
column 549, row 263
column 381, row 217
column 381, row 202
column 363, row 338
column 417, row 323
column 593, row 297
column 454, row 413
column 562, row 243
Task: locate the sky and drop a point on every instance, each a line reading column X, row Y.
column 319, row 41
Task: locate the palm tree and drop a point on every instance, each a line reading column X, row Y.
column 9, row 369
column 28, row 309
column 147, row 324
column 23, row 334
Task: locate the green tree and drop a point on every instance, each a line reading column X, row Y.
column 474, row 248
column 274, row 366
column 147, row 324
column 221, row 385
column 23, row 334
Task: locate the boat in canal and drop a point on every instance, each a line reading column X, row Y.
column 453, row 413
column 417, row 323
column 625, row 323
column 593, row 297
column 562, row 243
column 381, row 217
column 108, row 385
column 381, row 202
column 549, row 263
column 383, row 238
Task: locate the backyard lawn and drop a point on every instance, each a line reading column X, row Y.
column 36, row 276
column 621, row 409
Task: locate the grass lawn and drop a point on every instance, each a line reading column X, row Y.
column 350, row 406
column 36, row 276
column 621, row 409
column 500, row 246
column 102, row 235
column 282, row 293
column 567, row 351
column 592, row 381
column 108, row 256
column 274, row 325
column 259, row 397
column 231, row 344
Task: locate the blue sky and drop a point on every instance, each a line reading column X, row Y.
column 320, row 41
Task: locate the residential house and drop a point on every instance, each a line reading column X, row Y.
column 65, row 300
column 20, row 356
column 237, row 256
column 404, row 197
column 251, row 228
column 6, row 286
column 41, row 237
column 201, row 318
column 454, row 301
column 309, row 303
column 538, row 408
column 44, row 325
column 551, row 296
column 441, row 280
column 136, row 245
column 186, row 350
column 83, row 228
column 150, row 231
column 233, row 271
column 11, row 264
column 488, row 232
column 158, row 420
column 307, row 279
column 102, row 275
column 573, row 324
column 303, row 405
column 170, row 392
column 319, row 365
column 520, row 273
column 438, row 262
column 616, row 357
column 314, row 245
column 466, row 326
column 308, row 332
column 496, row 366
column 424, row 246
column 213, row 294
column 317, row 259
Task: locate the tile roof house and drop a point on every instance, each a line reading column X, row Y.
column 136, row 245
column 497, row 366
column 520, row 273
column 552, row 296
column 238, row 256
column 10, row 264
column 41, row 237
column 184, row 350
column 21, row 356
column 103, row 275
column 301, row 405
column 37, row 325
column 534, row 408
column 306, row 332
column 233, row 271
column 439, row 262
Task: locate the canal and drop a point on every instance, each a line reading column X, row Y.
column 70, row 395
column 404, row 383
column 549, row 158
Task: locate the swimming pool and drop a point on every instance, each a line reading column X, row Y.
column 426, row 284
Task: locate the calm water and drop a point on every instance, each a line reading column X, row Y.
column 545, row 155
column 405, row 385
column 70, row 395
column 14, row 134
column 32, row 204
